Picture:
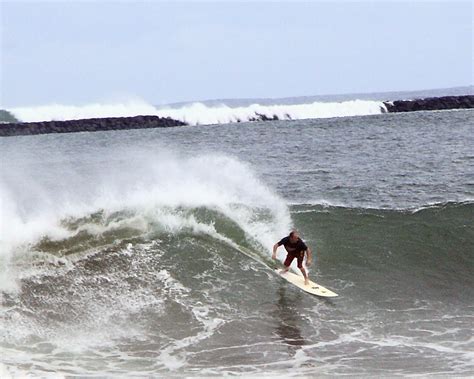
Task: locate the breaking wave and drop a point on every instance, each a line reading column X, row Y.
column 200, row 113
column 145, row 192
column 168, row 288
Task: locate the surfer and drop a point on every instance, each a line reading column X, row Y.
column 295, row 248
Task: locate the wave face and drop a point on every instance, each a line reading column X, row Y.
column 426, row 251
column 153, row 188
column 171, row 290
column 200, row 113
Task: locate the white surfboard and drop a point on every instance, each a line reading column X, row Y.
column 312, row 288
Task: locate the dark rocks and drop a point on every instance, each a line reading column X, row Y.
column 141, row 122
column 431, row 104
column 263, row 117
column 87, row 125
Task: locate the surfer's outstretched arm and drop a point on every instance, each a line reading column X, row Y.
column 275, row 247
column 309, row 257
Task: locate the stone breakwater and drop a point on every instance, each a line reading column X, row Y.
column 431, row 104
column 87, row 125
column 143, row 122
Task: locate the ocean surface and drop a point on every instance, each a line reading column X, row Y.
column 147, row 252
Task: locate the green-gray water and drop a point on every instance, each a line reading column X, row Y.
column 147, row 252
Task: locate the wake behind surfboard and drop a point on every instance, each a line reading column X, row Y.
column 312, row 288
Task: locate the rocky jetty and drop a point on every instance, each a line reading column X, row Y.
column 9, row 126
column 431, row 104
column 87, row 125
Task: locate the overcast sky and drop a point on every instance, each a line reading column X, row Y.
column 83, row 52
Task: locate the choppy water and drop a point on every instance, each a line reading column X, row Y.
column 146, row 252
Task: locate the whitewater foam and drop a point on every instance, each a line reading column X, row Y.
column 152, row 187
column 199, row 113
column 61, row 112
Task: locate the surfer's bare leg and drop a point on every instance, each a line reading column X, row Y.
column 287, row 263
column 306, row 279
column 300, row 266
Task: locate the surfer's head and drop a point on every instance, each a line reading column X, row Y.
column 294, row 235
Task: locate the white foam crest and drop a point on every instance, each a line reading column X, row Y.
column 153, row 186
column 212, row 181
column 16, row 230
column 198, row 113
column 60, row 112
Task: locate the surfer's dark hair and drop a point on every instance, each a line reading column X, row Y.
column 292, row 232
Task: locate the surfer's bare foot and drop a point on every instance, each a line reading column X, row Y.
column 306, row 282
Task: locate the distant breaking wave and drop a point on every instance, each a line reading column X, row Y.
column 200, row 113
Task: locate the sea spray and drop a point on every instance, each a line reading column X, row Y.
column 200, row 113
column 146, row 188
